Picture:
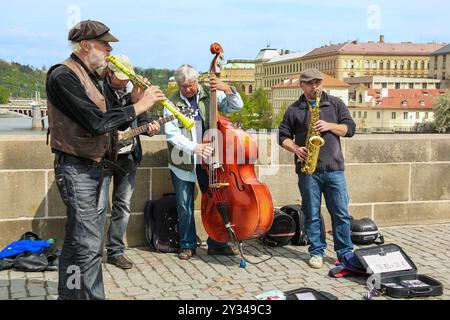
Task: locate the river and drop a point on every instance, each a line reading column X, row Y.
column 19, row 126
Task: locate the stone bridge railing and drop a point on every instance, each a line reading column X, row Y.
column 393, row 179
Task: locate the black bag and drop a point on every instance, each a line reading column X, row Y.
column 309, row 294
column 365, row 231
column 281, row 231
column 295, row 211
column 161, row 224
column 396, row 273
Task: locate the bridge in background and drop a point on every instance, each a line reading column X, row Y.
column 36, row 110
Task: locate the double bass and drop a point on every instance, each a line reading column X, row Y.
column 236, row 206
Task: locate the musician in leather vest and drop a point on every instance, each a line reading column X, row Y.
column 118, row 87
column 79, row 125
column 186, row 147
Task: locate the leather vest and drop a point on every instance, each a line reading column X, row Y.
column 66, row 134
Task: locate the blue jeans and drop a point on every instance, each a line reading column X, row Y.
column 333, row 186
column 123, row 187
column 184, row 193
column 80, row 262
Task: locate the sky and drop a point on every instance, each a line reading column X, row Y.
column 169, row 33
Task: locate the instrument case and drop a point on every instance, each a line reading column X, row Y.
column 397, row 273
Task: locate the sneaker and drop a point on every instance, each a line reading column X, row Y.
column 186, row 254
column 316, row 262
column 120, row 262
column 226, row 251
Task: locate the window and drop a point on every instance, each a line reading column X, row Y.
column 405, row 115
column 422, row 103
column 381, row 65
column 404, row 103
column 384, row 85
column 359, row 114
column 360, row 98
column 365, row 114
column 378, row 114
column 426, row 115
column 397, row 85
column 417, row 115
column 411, row 85
column 394, row 115
column 250, row 89
column 354, row 114
column 424, row 86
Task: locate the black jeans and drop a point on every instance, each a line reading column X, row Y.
column 80, row 264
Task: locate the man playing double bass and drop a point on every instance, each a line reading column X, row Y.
column 186, row 150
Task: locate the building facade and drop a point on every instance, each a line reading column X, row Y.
column 355, row 59
column 440, row 66
column 393, row 110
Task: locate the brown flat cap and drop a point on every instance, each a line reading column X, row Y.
column 88, row 30
column 310, row 74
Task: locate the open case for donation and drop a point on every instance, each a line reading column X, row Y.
column 397, row 273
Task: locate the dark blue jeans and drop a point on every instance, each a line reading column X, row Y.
column 123, row 187
column 80, row 263
column 185, row 192
column 333, row 186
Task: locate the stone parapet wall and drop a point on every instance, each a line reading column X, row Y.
column 393, row 179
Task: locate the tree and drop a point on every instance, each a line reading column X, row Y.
column 442, row 113
column 280, row 114
column 4, row 95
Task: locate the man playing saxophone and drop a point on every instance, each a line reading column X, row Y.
column 328, row 178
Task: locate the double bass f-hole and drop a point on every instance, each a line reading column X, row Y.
column 240, row 188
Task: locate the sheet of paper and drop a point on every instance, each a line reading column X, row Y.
column 392, row 261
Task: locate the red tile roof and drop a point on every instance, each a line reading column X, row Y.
column 411, row 97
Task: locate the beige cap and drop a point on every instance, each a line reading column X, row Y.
column 126, row 62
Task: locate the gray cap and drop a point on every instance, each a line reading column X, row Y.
column 310, row 74
column 90, row 29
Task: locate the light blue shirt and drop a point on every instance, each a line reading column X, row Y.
column 226, row 104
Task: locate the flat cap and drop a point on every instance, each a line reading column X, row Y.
column 90, row 29
column 310, row 74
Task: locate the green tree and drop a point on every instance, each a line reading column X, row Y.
column 280, row 114
column 4, row 95
column 442, row 113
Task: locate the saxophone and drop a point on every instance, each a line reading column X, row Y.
column 313, row 140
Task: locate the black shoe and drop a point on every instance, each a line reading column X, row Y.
column 120, row 262
column 186, row 254
column 226, row 251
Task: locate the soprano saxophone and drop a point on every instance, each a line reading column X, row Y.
column 313, row 140
column 188, row 123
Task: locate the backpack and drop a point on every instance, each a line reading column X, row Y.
column 161, row 224
column 281, row 231
column 295, row 211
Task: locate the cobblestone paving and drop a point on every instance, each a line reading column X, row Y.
column 164, row 276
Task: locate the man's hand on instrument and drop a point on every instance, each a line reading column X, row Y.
column 204, row 150
column 151, row 96
column 323, row 126
column 217, row 84
column 119, row 134
column 153, row 128
column 138, row 92
column 302, row 153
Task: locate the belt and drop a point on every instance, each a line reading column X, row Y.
column 62, row 157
